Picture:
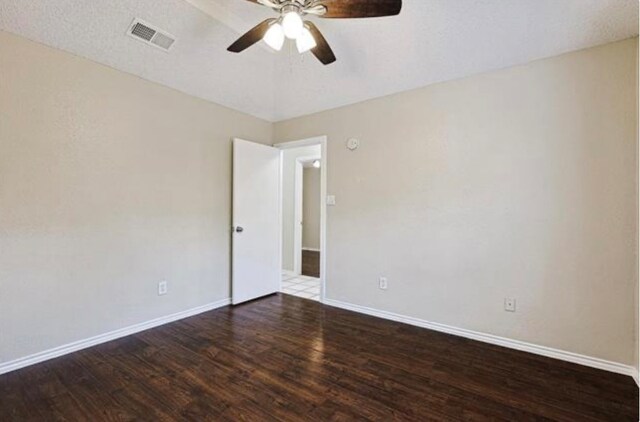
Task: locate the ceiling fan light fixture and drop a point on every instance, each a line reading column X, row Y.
column 305, row 41
column 274, row 37
column 292, row 25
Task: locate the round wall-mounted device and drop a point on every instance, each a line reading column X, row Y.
column 353, row 144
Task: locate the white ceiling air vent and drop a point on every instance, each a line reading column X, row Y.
column 149, row 34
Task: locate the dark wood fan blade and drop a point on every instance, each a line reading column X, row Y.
column 253, row 36
column 322, row 50
column 360, row 8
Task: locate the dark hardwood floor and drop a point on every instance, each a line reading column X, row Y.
column 282, row 358
column 311, row 263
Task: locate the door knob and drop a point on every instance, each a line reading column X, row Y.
column 239, row 229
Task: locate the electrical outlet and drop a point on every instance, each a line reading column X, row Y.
column 383, row 283
column 162, row 288
column 509, row 304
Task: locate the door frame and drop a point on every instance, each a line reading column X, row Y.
column 322, row 141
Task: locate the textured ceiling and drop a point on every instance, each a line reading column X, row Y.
column 431, row 41
column 198, row 64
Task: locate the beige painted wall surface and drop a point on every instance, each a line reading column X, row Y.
column 289, row 157
column 516, row 183
column 311, row 209
column 636, row 350
column 108, row 185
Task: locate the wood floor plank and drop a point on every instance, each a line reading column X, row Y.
column 284, row 358
column 311, row 263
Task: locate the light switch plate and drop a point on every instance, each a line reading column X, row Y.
column 331, row 199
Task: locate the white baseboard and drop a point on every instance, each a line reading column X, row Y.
column 474, row 335
column 492, row 339
column 103, row 338
column 289, row 273
column 311, row 249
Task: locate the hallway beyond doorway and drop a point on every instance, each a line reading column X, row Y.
column 301, row 286
column 311, row 263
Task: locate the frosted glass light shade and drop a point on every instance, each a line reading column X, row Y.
column 292, row 25
column 305, row 41
column 274, row 37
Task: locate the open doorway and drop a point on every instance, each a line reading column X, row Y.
column 303, row 218
column 310, row 198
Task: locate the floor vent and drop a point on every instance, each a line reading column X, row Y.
column 151, row 35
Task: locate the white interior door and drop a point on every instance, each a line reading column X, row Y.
column 256, row 248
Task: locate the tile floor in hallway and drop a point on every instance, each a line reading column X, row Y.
column 301, row 286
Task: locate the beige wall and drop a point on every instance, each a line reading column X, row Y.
column 636, row 296
column 108, row 185
column 516, row 183
column 311, row 209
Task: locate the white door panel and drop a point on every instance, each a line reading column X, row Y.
column 256, row 221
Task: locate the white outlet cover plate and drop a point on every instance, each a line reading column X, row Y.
column 383, row 283
column 162, row 288
column 510, row 305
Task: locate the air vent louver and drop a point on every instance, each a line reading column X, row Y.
column 143, row 31
column 151, row 35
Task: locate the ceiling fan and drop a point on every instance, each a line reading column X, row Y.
column 291, row 24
